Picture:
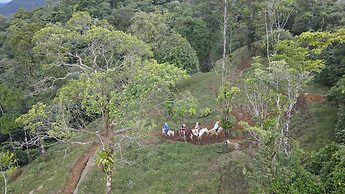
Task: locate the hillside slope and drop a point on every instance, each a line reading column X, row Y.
column 14, row 5
column 165, row 166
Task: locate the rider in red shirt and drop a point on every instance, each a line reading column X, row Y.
column 183, row 130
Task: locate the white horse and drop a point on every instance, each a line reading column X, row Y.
column 169, row 133
column 195, row 132
column 202, row 132
column 215, row 132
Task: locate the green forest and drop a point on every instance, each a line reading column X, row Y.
column 172, row 96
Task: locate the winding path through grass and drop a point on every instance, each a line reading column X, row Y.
column 78, row 169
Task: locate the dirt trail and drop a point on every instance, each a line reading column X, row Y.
column 78, row 169
column 91, row 163
column 205, row 140
column 314, row 97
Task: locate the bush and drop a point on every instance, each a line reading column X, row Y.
column 288, row 175
column 205, row 112
column 25, row 157
column 336, row 180
column 175, row 49
column 228, row 122
column 329, row 164
column 340, row 126
column 316, row 163
column 236, row 134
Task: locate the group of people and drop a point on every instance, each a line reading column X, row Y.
column 183, row 130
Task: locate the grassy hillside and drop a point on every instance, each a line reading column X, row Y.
column 315, row 121
column 47, row 174
column 170, row 168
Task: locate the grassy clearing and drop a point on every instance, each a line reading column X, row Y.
column 47, row 174
column 204, row 87
column 171, row 168
column 316, row 122
column 316, row 88
column 317, row 129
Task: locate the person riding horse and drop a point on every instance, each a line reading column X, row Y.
column 216, row 126
column 195, row 130
column 197, row 126
column 183, row 128
column 183, row 131
column 166, row 128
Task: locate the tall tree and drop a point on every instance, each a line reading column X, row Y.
column 277, row 15
column 272, row 93
column 108, row 71
column 225, row 26
column 168, row 47
column 194, row 29
column 7, row 166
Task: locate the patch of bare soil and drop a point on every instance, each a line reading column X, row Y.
column 302, row 107
column 241, row 113
column 314, row 97
column 245, row 64
column 78, row 169
column 153, row 138
column 16, row 174
column 240, row 68
column 204, row 140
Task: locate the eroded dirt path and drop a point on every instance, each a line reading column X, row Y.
column 89, row 165
column 78, row 169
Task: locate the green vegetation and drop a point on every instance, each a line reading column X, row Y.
column 47, row 174
column 167, row 168
column 316, row 129
column 111, row 72
column 7, row 167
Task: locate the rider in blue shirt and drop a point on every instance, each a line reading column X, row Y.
column 166, row 128
column 216, row 126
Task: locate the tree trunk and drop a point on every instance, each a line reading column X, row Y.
column 26, row 145
column 267, row 39
column 108, row 183
column 5, row 181
column 42, row 149
column 107, row 125
column 2, row 111
column 224, row 40
column 113, row 3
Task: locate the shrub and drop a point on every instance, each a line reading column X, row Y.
column 24, row 157
column 236, row 134
column 340, row 127
column 228, row 122
column 329, row 164
column 205, row 112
